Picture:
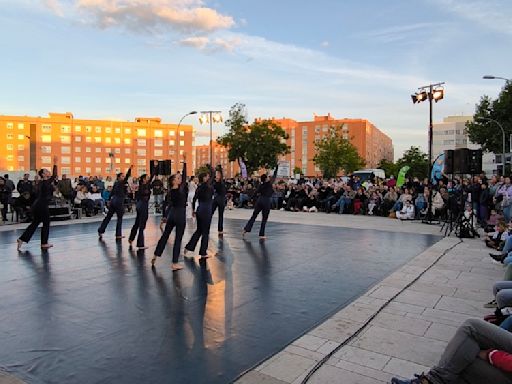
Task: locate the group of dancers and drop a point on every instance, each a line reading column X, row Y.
column 208, row 196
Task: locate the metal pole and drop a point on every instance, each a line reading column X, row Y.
column 211, row 140
column 503, row 149
column 430, row 144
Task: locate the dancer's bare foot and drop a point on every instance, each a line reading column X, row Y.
column 263, row 237
column 187, row 254
column 130, row 242
column 142, row 248
column 20, row 243
column 204, row 257
column 46, row 246
column 176, row 266
column 100, row 235
column 120, row 237
column 244, row 233
column 153, row 260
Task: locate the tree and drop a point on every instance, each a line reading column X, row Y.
column 417, row 160
column 485, row 132
column 258, row 144
column 297, row 171
column 388, row 167
column 334, row 153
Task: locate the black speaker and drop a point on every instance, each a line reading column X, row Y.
column 448, row 161
column 164, row 167
column 152, row 167
column 461, row 161
column 475, row 161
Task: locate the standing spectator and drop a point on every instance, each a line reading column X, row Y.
column 25, row 185
column 158, row 193
column 5, row 192
column 504, row 196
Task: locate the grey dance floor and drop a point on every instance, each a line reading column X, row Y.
column 95, row 312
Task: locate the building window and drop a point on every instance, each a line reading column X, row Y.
column 78, row 139
column 117, row 140
column 127, row 131
column 172, row 152
column 21, row 137
column 65, row 159
column 128, row 141
column 46, row 138
column 88, row 139
column 21, row 158
column 172, row 142
column 10, row 136
column 65, row 149
column 21, row 126
column 10, row 157
column 107, row 170
column 88, row 149
column 127, row 150
column 87, row 159
column 10, row 125
column 159, row 152
column 141, row 142
column 65, row 129
column 88, row 129
column 65, row 139
column 78, row 170
column 97, row 130
column 117, row 150
column 118, row 161
column 158, row 143
column 172, row 133
column 127, row 161
column 21, row 147
column 78, row 128
column 141, row 152
column 159, row 133
column 46, row 159
column 182, row 151
column 141, row 161
column 117, row 130
column 97, row 139
column 78, row 159
column 78, row 149
column 108, row 130
column 97, row 149
column 65, row 170
column 182, row 143
column 98, row 170
column 182, row 133
column 87, row 170
column 10, row 147
column 108, row 140
column 98, row 160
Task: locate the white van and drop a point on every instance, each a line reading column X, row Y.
column 365, row 174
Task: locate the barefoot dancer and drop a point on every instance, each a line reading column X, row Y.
column 40, row 209
column 204, row 194
column 143, row 195
column 176, row 216
column 116, row 204
column 265, row 192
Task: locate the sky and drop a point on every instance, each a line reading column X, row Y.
column 119, row 59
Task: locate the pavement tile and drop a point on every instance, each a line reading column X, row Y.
column 418, row 298
column 402, row 308
column 465, row 306
column 362, row 357
column 384, row 292
column 404, row 368
column 336, row 329
column 288, row 367
column 309, row 342
column 255, row 377
column 364, row 371
column 328, row 374
column 400, row 323
column 441, row 332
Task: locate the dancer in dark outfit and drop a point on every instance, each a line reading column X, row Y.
column 176, row 217
column 264, row 193
column 219, row 199
column 142, row 207
column 40, row 210
column 116, row 206
column 204, row 194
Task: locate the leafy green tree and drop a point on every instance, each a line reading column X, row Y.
column 297, row 171
column 417, row 160
column 334, row 153
column 487, row 133
column 202, row 169
column 388, row 167
column 258, row 144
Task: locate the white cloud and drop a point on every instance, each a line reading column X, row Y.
column 494, row 15
column 154, row 16
column 211, row 44
column 402, row 32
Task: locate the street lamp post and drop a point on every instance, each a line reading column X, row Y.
column 178, row 130
column 491, row 77
column 434, row 92
column 212, row 117
column 504, row 138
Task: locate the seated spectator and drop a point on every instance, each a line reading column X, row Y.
column 310, row 203
column 479, row 352
column 83, row 201
column 373, row 203
column 407, row 211
column 95, row 196
column 493, row 220
column 359, row 201
column 405, row 196
column 494, row 240
column 105, row 195
column 5, row 193
column 437, row 203
column 230, row 203
column 22, row 206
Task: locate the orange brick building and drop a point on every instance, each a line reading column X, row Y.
column 372, row 144
column 90, row 147
column 220, row 156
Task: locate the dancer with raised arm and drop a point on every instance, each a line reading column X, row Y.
column 142, row 195
column 40, row 208
column 204, row 194
column 264, row 193
column 219, row 199
column 116, row 205
column 176, row 217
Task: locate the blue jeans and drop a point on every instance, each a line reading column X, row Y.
column 342, row 202
column 398, row 206
column 507, row 211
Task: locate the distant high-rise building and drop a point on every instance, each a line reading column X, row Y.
column 372, row 144
column 451, row 134
column 90, row 147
